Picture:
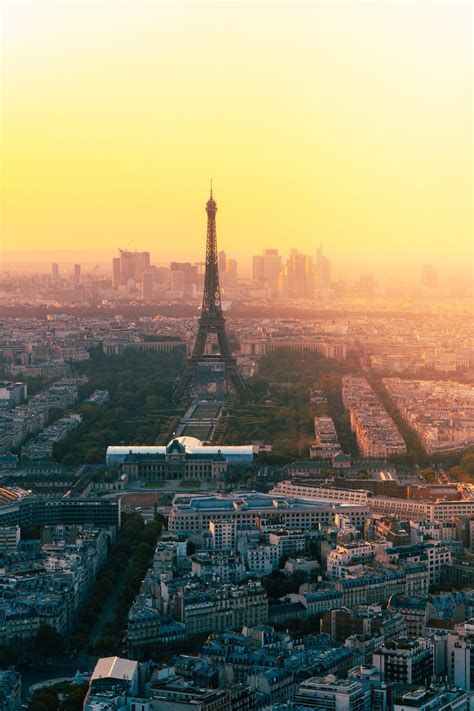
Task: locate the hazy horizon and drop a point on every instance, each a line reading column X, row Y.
column 40, row 261
column 335, row 123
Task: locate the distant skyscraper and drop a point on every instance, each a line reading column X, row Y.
column 55, row 271
column 227, row 270
column 77, row 273
column 147, row 286
column 231, row 272
column 132, row 265
column 258, row 268
column 266, row 268
column 178, row 281
column 189, row 270
column 429, row 276
column 163, row 276
column 222, row 266
column 222, row 261
column 322, row 270
column 300, row 270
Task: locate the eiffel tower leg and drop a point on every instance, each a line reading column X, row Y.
column 200, row 344
column 235, row 378
column 223, row 341
column 184, row 383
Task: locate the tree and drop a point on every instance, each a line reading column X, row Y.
column 277, row 585
column 151, row 401
column 44, row 700
column 429, row 476
column 94, row 456
column 74, row 701
column 467, row 463
column 48, row 642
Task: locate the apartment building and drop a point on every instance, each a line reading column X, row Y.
column 326, row 442
column 221, row 607
column 441, row 412
column 340, row 560
column 375, row 431
column 406, row 661
column 365, row 620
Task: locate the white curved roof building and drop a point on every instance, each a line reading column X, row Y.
column 235, row 454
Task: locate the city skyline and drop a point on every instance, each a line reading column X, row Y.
column 343, row 268
column 366, row 130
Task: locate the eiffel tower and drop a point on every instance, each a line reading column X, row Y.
column 211, row 320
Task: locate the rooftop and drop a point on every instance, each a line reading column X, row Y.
column 114, row 668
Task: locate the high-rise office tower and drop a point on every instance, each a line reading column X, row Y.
column 222, row 262
column 189, row 270
column 222, row 266
column 178, row 280
column 227, row 270
column 322, row 270
column 231, row 273
column 77, row 273
column 300, row 270
column 200, row 273
column 258, row 268
column 55, row 271
column 429, row 276
column 163, row 276
column 147, row 286
column 132, row 265
column 266, row 268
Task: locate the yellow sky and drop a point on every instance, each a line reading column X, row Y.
column 342, row 123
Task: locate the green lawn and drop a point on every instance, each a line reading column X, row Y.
column 156, row 484
column 189, row 484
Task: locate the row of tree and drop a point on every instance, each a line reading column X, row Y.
column 139, row 410
column 133, row 534
column 112, row 631
column 276, row 407
column 27, row 652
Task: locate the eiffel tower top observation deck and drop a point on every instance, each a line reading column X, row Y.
column 212, row 318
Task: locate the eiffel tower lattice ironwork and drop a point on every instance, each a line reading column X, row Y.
column 212, row 319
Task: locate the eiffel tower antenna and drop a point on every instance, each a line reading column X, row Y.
column 212, row 318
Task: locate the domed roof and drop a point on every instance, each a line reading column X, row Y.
column 189, row 441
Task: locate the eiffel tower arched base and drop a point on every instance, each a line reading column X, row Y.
column 234, row 381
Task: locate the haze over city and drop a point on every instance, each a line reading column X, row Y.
column 342, row 124
column 236, row 356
